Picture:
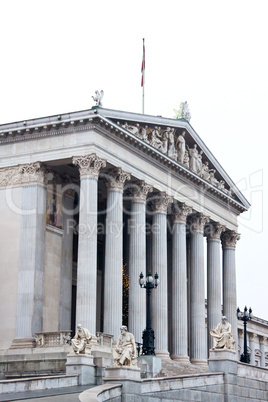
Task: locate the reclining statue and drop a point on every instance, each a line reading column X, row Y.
column 222, row 336
column 125, row 353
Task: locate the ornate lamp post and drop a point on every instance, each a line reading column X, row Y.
column 245, row 317
column 148, row 334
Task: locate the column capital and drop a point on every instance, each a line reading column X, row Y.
column 198, row 222
column 229, row 239
column 89, row 165
column 181, row 212
column 139, row 191
column 10, row 176
column 161, row 201
column 116, row 179
column 213, row 231
column 32, row 173
column 240, row 333
column 252, row 336
column 263, row 339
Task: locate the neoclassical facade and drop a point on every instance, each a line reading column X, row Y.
column 91, row 199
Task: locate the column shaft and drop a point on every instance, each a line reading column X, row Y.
column 159, row 295
column 66, row 264
column 137, row 264
column 113, row 263
column 213, row 286
column 31, row 262
column 87, row 255
column 179, row 293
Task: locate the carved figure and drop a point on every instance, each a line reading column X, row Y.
column 98, row 97
column 180, row 144
column 81, row 339
column 194, row 161
column 125, row 353
column 164, row 146
column 212, row 178
column 221, row 185
column 133, row 129
column 222, row 335
column 205, row 171
column 186, row 160
column 155, row 138
column 143, row 134
column 199, row 162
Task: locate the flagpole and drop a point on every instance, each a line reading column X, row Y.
column 143, row 74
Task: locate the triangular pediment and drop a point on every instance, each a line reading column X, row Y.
column 177, row 140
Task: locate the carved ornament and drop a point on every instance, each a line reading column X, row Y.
column 230, row 238
column 180, row 213
column 89, row 165
column 213, row 231
column 173, row 144
column 198, row 222
column 117, row 178
column 139, row 191
column 161, row 201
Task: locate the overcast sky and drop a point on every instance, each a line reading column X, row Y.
column 55, row 54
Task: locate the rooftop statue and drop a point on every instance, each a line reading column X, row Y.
column 81, row 340
column 222, row 335
column 125, row 353
column 98, row 97
column 183, row 112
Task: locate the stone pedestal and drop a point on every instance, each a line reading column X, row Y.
column 83, row 366
column 125, row 373
column 225, row 361
column 150, row 366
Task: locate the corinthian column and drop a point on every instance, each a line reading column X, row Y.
column 159, row 263
column 213, row 278
column 198, row 347
column 89, row 168
column 179, row 285
column 31, row 259
column 229, row 240
column 114, row 252
column 137, row 259
column 263, row 340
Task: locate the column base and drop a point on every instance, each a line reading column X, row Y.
column 199, row 362
column 180, row 358
column 23, row 343
column 163, row 354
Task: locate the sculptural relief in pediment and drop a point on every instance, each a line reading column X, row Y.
column 173, row 143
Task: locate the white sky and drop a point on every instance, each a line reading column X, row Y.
column 54, row 54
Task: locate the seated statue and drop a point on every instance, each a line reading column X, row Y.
column 222, row 336
column 125, row 353
column 81, row 340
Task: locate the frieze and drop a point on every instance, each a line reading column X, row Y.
column 89, row 165
column 174, row 145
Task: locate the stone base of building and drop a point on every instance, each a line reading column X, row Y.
column 150, row 366
column 126, row 373
column 22, row 343
column 30, row 362
column 83, row 366
column 222, row 354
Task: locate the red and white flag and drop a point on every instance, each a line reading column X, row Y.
column 143, row 65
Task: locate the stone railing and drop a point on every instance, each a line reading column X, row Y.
column 55, row 338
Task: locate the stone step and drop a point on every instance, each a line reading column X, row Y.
column 37, row 383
